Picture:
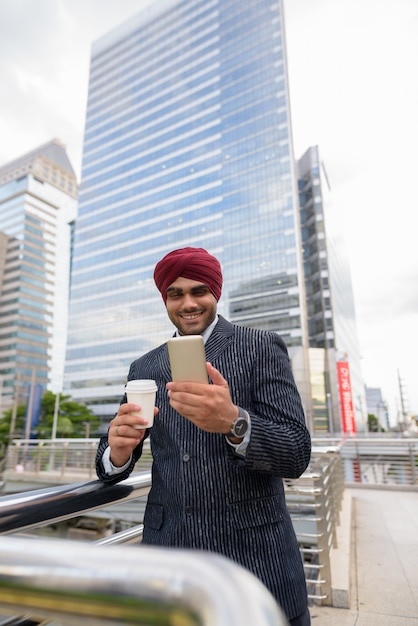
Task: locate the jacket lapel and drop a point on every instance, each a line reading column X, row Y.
column 164, row 362
column 219, row 340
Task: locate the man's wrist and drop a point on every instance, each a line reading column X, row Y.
column 118, row 461
column 239, row 427
column 109, row 468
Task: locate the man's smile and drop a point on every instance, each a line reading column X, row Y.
column 190, row 316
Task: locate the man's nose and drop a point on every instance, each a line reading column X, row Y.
column 189, row 300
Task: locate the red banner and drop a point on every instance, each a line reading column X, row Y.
column 346, row 398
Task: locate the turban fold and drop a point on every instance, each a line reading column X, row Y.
column 193, row 263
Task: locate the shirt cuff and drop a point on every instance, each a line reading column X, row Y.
column 109, row 468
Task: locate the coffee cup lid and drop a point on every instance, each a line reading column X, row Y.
column 141, row 385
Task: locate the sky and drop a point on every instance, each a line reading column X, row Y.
column 353, row 73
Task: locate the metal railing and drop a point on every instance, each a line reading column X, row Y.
column 314, row 500
column 75, row 583
column 57, row 461
column 376, row 460
column 40, row 507
column 367, row 460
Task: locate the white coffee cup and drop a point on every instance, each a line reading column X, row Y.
column 142, row 392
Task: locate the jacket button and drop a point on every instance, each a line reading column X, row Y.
column 188, row 510
column 186, row 457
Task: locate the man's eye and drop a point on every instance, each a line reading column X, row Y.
column 201, row 292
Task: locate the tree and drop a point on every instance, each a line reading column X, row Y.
column 5, row 424
column 373, row 424
column 73, row 420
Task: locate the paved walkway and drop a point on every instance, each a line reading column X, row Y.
column 384, row 562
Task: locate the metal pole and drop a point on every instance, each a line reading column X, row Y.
column 14, row 409
column 30, row 406
column 54, row 423
column 54, row 433
column 330, row 416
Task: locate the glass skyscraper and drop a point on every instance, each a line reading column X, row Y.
column 187, row 143
column 329, row 295
column 38, row 206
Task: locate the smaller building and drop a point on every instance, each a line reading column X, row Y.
column 377, row 406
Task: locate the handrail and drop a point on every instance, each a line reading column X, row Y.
column 40, row 507
column 313, row 503
column 77, row 582
column 129, row 535
column 314, row 499
column 62, row 461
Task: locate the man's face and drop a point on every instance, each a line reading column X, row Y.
column 191, row 306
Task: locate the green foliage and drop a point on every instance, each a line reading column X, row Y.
column 5, row 423
column 373, row 424
column 74, row 420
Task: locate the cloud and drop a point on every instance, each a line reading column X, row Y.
column 44, row 65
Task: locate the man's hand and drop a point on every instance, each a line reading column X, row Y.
column 123, row 437
column 208, row 406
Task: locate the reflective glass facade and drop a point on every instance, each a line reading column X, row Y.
column 38, row 205
column 329, row 295
column 187, row 143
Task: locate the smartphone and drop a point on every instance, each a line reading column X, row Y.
column 187, row 358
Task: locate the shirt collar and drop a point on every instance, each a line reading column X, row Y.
column 208, row 331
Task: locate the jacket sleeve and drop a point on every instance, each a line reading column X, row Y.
column 115, row 478
column 280, row 442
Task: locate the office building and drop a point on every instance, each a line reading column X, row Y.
column 338, row 394
column 377, row 407
column 38, row 205
column 187, row 143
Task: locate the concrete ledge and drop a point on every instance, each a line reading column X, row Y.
column 340, row 556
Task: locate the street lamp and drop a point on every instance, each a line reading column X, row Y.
column 330, row 415
column 55, row 421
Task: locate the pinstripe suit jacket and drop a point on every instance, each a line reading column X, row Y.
column 203, row 495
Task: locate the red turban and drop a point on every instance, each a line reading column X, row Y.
column 194, row 263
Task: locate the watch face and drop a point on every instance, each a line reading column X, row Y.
column 240, row 427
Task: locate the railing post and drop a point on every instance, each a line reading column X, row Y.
column 413, row 462
column 15, row 453
column 333, row 498
column 64, row 458
column 357, row 466
column 92, row 463
column 324, row 572
column 39, row 451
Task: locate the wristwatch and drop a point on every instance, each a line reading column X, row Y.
column 239, row 426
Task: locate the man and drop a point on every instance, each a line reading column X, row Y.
column 220, row 451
